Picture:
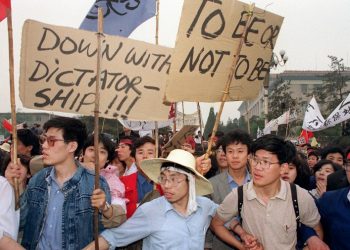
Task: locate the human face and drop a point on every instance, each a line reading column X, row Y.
column 175, row 190
column 336, row 158
column 289, row 173
column 221, row 158
column 187, row 147
column 22, row 149
column 116, row 162
column 323, row 172
column 146, row 151
column 263, row 177
column 60, row 151
column 347, row 169
column 124, row 151
column 89, row 155
column 312, row 160
column 237, row 156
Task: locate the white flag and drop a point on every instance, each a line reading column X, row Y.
column 340, row 114
column 313, row 119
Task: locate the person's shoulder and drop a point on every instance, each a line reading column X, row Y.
column 327, row 197
column 153, row 205
column 218, row 178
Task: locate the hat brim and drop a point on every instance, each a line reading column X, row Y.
column 151, row 167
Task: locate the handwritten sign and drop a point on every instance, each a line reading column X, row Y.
column 180, row 137
column 207, row 40
column 145, row 125
column 58, row 73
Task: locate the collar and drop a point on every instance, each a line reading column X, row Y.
column 169, row 207
column 246, row 178
column 282, row 194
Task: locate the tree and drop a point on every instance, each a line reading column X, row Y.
column 333, row 89
column 280, row 100
column 209, row 125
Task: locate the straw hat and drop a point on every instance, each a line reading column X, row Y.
column 6, row 147
column 151, row 168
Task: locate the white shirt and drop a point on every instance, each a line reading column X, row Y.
column 9, row 218
column 131, row 170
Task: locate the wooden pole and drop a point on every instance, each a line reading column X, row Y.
column 287, row 118
column 175, row 109
column 96, row 120
column 13, row 102
column 228, row 83
column 183, row 114
column 248, row 122
column 156, row 123
column 200, row 123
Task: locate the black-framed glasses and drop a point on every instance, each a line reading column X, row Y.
column 51, row 140
column 264, row 164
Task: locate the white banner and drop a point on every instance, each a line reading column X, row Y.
column 189, row 119
column 287, row 117
column 313, row 119
column 145, row 125
column 340, row 114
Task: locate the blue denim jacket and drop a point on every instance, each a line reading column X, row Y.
column 77, row 218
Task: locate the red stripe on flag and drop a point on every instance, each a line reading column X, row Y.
column 4, row 5
column 7, row 125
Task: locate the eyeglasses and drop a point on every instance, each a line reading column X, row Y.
column 173, row 180
column 264, row 164
column 51, row 140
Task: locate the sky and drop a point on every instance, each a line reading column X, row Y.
column 311, row 31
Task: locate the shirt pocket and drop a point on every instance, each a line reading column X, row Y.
column 288, row 228
column 83, row 204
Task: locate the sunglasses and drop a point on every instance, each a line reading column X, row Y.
column 51, row 140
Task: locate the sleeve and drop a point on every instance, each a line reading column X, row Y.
column 134, row 229
column 228, row 208
column 304, row 233
column 308, row 211
column 118, row 217
column 9, row 220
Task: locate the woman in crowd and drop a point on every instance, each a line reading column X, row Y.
column 322, row 169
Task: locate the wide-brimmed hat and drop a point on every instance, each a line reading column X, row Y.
column 151, row 168
column 6, row 147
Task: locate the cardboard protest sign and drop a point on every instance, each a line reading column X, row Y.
column 180, row 137
column 187, row 119
column 207, row 42
column 58, row 73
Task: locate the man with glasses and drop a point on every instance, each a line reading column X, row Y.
column 267, row 210
column 177, row 220
column 56, row 210
column 334, row 207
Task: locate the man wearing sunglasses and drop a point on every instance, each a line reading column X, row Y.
column 56, row 210
column 267, row 208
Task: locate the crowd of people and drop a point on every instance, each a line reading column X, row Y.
column 257, row 194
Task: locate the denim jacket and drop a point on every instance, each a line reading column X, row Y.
column 77, row 218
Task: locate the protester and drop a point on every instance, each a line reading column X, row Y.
column 124, row 154
column 177, row 220
column 27, row 143
column 312, row 159
column 322, row 170
column 218, row 161
column 236, row 147
column 267, row 211
column 114, row 213
column 189, row 144
column 56, row 210
column 338, row 179
column 9, row 218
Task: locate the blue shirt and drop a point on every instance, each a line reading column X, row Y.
column 52, row 232
column 143, row 187
column 233, row 184
column 162, row 227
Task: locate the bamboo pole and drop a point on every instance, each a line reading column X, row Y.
column 183, row 114
column 200, row 123
column 228, row 83
column 175, row 110
column 13, row 102
column 96, row 120
column 156, row 123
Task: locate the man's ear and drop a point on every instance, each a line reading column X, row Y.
column 72, row 146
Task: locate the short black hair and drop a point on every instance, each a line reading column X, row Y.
column 72, row 129
column 319, row 165
column 284, row 150
column 105, row 140
column 28, row 138
column 332, row 150
column 140, row 142
column 234, row 137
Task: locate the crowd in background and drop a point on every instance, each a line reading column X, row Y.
column 55, row 172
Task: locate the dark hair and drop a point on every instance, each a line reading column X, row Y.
column 140, row 142
column 332, row 150
column 236, row 136
column 218, row 134
column 4, row 157
column 28, row 138
column 72, row 130
column 127, row 137
column 25, row 161
column 303, row 171
column 312, row 153
column 284, row 150
column 105, row 140
column 319, row 165
column 175, row 165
